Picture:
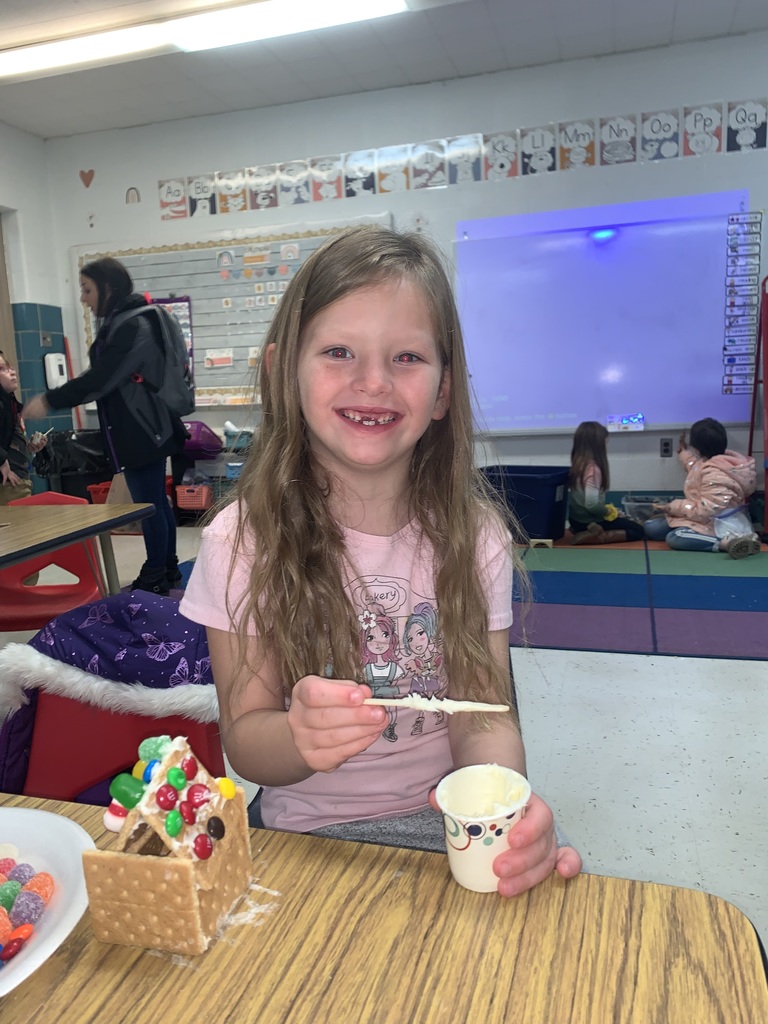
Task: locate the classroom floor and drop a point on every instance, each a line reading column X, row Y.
column 656, row 766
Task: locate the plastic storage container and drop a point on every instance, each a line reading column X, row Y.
column 196, row 496
column 237, row 440
column 99, row 492
column 203, row 443
column 639, row 507
column 538, row 495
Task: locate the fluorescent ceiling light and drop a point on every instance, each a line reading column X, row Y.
column 272, row 18
column 244, row 24
column 101, row 48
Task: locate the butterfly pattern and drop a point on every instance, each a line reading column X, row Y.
column 46, row 635
column 97, row 613
column 160, row 650
column 124, row 638
column 181, row 675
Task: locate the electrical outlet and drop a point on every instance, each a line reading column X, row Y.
column 665, row 447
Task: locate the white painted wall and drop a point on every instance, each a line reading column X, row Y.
column 26, row 209
column 696, row 73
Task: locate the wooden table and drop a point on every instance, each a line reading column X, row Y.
column 28, row 530
column 361, row 934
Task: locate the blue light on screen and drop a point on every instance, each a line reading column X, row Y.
column 603, row 234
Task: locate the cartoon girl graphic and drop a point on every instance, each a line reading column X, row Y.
column 378, row 650
column 421, row 642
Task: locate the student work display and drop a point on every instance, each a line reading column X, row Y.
column 642, row 314
column 233, row 288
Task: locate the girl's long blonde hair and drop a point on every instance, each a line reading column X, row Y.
column 296, row 598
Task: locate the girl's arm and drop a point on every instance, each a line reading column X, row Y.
column 594, row 497
column 503, row 744
column 325, row 725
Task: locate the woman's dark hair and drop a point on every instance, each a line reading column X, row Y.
column 589, row 446
column 113, row 281
column 708, row 437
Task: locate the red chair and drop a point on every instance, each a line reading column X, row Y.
column 76, row 746
column 31, row 607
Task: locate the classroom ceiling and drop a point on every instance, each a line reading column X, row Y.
column 447, row 39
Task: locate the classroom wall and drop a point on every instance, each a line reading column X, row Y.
column 137, row 158
column 26, row 204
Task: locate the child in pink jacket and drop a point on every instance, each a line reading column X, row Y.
column 718, row 479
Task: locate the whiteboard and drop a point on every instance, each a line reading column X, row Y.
column 564, row 324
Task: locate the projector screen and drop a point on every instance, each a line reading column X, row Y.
column 615, row 313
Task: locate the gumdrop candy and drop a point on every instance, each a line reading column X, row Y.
column 26, row 909
column 42, row 884
column 8, row 893
column 126, row 790
column 3, row 878
column 22, row 873
column 154, row 748
column 7, row 864
column 5, row 926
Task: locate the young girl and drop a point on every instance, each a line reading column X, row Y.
column 717, row 479
column 591, row 520
column 138, row 428
column 15, row 449
column 360, row 490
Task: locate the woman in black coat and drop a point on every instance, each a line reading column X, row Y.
column 139, row 430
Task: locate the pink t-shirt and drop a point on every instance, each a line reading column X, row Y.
column 392, row 591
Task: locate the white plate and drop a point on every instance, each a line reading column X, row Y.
column 52, row 843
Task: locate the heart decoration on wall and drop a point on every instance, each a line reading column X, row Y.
column 87, row 177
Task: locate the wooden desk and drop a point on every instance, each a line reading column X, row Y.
column 35, row 529
column 361, row 934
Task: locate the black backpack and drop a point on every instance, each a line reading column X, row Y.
column 178, row 388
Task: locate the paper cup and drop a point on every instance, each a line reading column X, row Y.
column 480, row 805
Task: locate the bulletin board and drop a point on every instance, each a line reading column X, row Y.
column 233, row 287
column 638, row 315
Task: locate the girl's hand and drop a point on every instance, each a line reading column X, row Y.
column 330, row 723
column 7, row 476
column 36, row 408
column 682, row 442
column 533, row 854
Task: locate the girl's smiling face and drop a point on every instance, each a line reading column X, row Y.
column 371, row 380
column 418, row 639
column 377, row 639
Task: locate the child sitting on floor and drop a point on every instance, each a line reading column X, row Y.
column 718, row 479
column 592, row 521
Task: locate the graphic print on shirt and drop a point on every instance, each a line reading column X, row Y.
column 400, row 650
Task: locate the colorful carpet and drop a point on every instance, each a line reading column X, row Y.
column 645, row 599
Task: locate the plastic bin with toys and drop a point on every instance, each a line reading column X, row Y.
column 640, row 507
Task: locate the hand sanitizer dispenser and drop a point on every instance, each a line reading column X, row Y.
column 55, row 369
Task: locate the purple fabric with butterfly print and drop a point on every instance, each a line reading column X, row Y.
column 133, row 637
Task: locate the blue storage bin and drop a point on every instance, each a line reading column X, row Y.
column 538, row 495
